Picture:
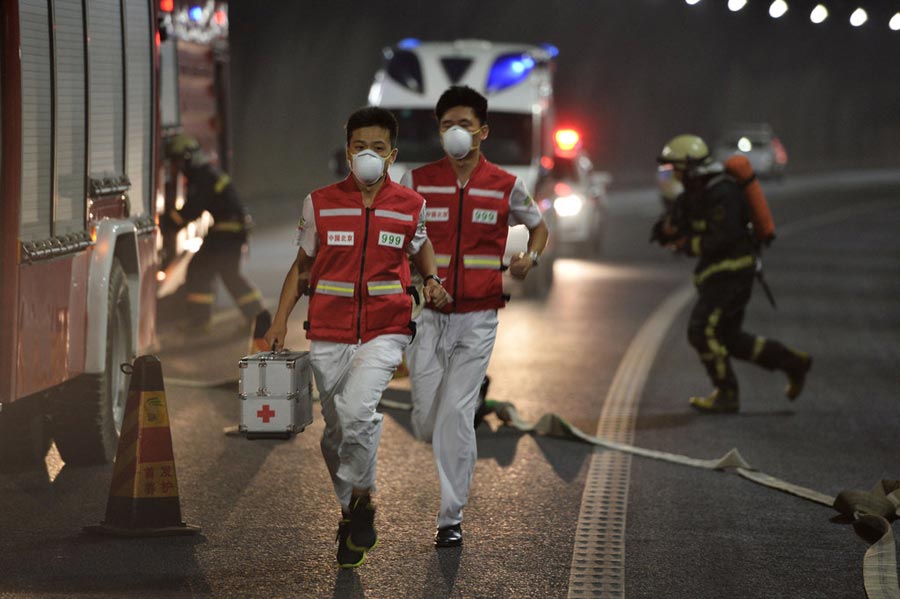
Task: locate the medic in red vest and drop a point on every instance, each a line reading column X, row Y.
column 355, row 237
column 471, row 205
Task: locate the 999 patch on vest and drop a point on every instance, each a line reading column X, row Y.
column 340, row 238
column 484, row 217
column 393, row 240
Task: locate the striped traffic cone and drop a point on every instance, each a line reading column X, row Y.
column 143, row 495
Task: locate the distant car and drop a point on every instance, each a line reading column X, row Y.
column 577, row 194
column 759, row 144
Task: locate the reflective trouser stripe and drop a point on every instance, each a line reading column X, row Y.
column 334, row 288
column 229, row 227
column 249, row 298
column 484, row 262
column 735, row 264
column 720, row 351
column 758, row 344
column 442, row 260
column 384, row 287
column 201, row 298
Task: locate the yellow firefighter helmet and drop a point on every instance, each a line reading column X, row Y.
column 685, row 152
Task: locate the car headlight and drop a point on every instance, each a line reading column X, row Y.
column 569, row 205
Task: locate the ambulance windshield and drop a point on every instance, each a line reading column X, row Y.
column 509, row 142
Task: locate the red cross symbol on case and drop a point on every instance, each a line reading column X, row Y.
column 266, row 413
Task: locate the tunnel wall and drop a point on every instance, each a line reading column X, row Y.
column 630, row 75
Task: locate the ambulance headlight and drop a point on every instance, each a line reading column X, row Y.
column 569, row 205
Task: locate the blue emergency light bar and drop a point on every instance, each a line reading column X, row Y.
column 195, row 13
column 509, row 70
column 552, row 50
column 408, row 43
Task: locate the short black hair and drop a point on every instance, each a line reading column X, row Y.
column 373, row 116
column 462, row 95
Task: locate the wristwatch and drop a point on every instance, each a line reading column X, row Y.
column 439, row 280
column 535, row 257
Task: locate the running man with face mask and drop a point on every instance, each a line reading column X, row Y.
column 471, row 205
column 354, row 239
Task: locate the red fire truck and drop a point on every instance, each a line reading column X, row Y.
column 82, row 184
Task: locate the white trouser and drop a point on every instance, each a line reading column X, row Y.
column 351, row 379
column 447, row 362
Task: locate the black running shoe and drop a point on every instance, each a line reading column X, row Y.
column 448, row 536
column 484, row 407
column 362, row 524
column 346, row 557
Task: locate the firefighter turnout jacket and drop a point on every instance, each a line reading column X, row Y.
column 210, row 190
column 360, row 278
column 714, row 215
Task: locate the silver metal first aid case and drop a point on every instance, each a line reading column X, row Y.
column 275, row 389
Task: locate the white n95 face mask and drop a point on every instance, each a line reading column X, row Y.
column 457, row 142
column 367, row 166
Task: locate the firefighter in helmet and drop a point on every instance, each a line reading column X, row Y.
column 710, row 219
column 209, row 190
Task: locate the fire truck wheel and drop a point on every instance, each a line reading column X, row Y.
column 87, row 421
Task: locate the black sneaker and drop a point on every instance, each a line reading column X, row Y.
column 362, row 524
column 346, row 557
column 484, row 407
column 448, row 536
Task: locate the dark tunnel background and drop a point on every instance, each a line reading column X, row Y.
column 630, row 75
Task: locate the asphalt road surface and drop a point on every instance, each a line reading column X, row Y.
column 607, row 351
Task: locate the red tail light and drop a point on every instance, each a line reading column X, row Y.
column 567, row 139
column 166, row 5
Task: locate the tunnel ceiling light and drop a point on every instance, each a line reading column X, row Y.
column 858, row 17
column 777, row 9
column 818, row 14
column 895, row 22
column 692, row 2
column 736, row 5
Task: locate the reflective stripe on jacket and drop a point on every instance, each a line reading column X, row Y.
column 468, row 228
column 360, row 275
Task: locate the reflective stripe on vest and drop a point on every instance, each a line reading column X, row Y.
column 384, row 287
column 442, row 260
column 341, row 212
column 334, row 288
column 482, row 262
column 435, row 189
column 228, row 227
column 486, row 193
column 407, row 218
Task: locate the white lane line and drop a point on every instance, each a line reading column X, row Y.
column 598, row 558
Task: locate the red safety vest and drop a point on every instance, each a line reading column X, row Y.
column 360, row 275
column 468, row 228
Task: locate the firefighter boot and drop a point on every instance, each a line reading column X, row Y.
column 720, row 401
column 774, row 355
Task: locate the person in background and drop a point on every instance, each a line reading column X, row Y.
column 710, row 219
column 209, row 190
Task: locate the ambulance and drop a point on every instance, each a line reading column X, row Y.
column 516, row 79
